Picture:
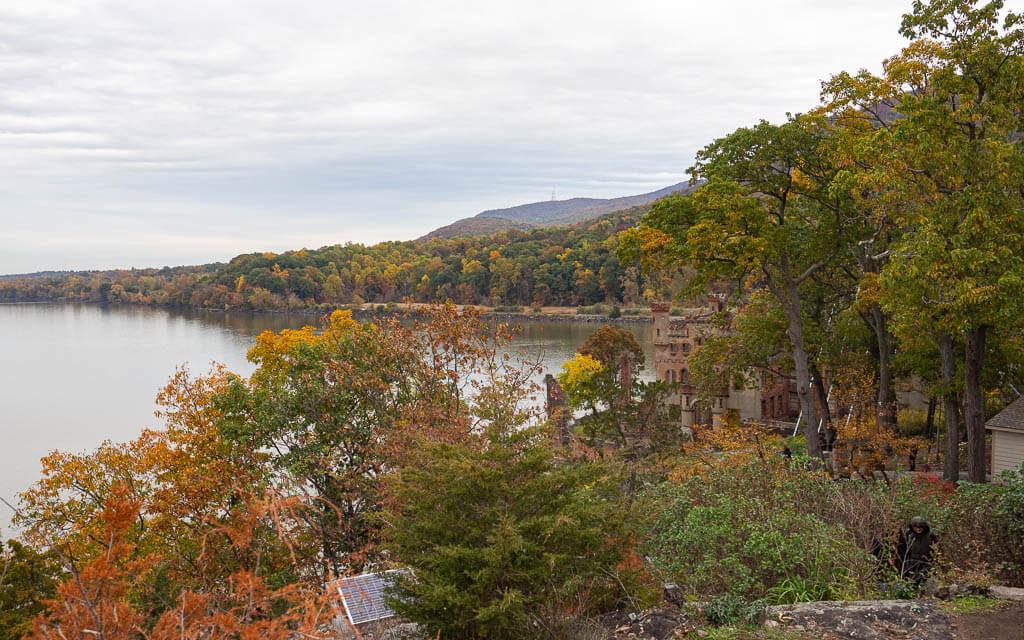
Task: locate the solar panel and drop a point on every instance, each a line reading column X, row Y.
column 363, row 596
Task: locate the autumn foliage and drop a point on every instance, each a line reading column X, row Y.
column 102, row 598
column 864, row 441
column 260, row 489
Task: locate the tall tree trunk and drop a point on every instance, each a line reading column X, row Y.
column 929, row 422
column 825, row 417
column 974, row 408
column 802, row 370
column 950, row 410
column 886, row 410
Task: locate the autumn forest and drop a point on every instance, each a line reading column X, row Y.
column 563, row 266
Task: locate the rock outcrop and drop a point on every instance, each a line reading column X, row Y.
column 864, row 620
column 1006, row 593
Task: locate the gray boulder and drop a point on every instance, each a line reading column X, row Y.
column 1006, row 593
column 864, row 620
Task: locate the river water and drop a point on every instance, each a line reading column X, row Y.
column 74, row 375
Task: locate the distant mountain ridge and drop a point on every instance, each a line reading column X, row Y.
column 38, row 274
column 561, row 212
column 549, row 213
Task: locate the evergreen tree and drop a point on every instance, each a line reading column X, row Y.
column 503, row 541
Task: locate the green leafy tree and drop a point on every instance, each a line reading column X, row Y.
column 765, row 219
column 755, row 343
column 27, row 578
column 953, row 153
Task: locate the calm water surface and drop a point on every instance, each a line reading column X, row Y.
column 74, row 375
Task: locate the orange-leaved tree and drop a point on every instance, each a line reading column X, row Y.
column 865, row 440
column 730, row 443
column 103, row 598
column 188, row 485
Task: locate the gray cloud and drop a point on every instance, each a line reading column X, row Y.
column 151, row 133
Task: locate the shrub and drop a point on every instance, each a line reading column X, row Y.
column 984, row 524
column 899, row 589
column 781, row 532
column 730, row 609
column 749, row 532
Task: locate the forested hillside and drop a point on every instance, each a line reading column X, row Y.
column 573, row 265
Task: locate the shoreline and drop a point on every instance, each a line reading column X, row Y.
column 551, row 314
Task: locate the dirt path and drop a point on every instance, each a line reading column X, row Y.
column 1005, row 624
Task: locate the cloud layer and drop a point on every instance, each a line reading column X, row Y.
column 152, row 133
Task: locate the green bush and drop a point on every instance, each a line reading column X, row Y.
column 759, row 531
column 508, row 308
column 899, row 589
column 750, row 532
column 766, row 530
column 985, row 523
column 735, row 547
column 730, row 609
column 787, row 534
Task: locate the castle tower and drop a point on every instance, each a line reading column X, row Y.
column 659, row 310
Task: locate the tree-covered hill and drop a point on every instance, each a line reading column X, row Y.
column 568, row 265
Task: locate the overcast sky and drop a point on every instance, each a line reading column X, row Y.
column 140, row 133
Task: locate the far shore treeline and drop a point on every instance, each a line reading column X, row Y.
column 555, row 266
